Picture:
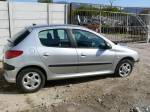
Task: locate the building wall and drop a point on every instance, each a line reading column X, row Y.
column 4, row 25
column 15, row 16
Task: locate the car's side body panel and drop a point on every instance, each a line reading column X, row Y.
column 59, row 60
column 95, row 60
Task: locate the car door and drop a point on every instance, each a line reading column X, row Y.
column 56, row 51
column 93, row 52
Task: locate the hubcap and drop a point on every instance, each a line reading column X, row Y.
column 31, row 80
column 125, row 69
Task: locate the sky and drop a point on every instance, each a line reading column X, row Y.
column 123, row 3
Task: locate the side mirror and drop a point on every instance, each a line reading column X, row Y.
column 105, row 46
column 108, row 46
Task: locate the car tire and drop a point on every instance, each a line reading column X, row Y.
column 30, row 80
column 124, row 68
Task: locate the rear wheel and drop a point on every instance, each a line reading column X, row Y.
column 124, row 68
column 30, row 80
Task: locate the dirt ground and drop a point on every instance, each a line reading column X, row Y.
column 92, row 94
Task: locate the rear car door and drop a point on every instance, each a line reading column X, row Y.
column 92, row 54
column 57, row 52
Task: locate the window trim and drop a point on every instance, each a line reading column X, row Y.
column 68, row 34
column 75, row 42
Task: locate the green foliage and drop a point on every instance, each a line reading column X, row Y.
column 109, row 11
column 84, row 7
column 86, row 10
column 112, row 9
column 45, row 1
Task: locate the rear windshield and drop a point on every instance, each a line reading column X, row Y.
column 20, row 37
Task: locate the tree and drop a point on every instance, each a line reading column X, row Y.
column 111, row 2
column 45, row 1
column 86, row 10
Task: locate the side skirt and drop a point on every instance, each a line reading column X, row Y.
column 78, row 75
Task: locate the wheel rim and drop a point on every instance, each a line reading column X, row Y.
column 125, row 69
column 31, row 80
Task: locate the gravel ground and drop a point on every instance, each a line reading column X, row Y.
column 92, row 94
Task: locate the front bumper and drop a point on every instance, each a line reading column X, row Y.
column 137, row 60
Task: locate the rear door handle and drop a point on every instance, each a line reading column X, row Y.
column 46, row 54
column 83, row 55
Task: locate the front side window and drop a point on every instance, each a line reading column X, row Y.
column 87, row 39
column 54, row 38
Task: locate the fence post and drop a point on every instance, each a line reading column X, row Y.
column 148, row 28
column 127, row 25
column 71, row 11
column 66, row 14
column 10, row 18
column 48, row 14
column 100, row 24
column 148, row 37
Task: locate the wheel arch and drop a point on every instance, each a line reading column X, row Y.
column 124, row 58
column 128, row 58
column 33, row 66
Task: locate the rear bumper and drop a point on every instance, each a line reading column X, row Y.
column 8, row 67
column 10, row 75
column 9, row 79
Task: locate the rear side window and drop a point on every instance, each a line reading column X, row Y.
column 54, row 38
column 21, row 37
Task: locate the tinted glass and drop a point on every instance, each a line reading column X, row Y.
column 86, row 39
column 54, row 38
column 20, row 37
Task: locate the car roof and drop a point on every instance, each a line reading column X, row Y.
column 54, row 26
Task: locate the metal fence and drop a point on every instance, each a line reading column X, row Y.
column 117, row 26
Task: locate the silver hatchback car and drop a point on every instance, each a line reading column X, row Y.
column 40, row 53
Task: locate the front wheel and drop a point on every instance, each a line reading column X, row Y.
column 124, row 68
column 30, row 80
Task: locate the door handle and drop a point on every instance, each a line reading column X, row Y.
column 46, row 54
column 83, row 55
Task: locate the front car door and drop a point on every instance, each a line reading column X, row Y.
column 92, row 54
column 56, row 51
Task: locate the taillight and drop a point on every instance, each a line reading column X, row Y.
column 12, row 54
